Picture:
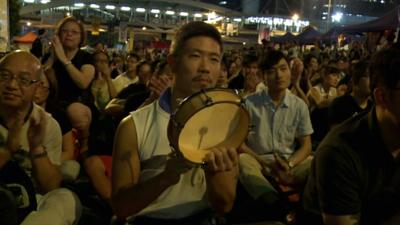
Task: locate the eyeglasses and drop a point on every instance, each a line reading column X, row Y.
column 21, row 80
column 43, row 87
column 73, row 32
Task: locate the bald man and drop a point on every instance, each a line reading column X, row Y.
column 31, row 139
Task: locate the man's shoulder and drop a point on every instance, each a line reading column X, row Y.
column 295, row 100
column 352, row 135
column 119, row 77
column 256, row 97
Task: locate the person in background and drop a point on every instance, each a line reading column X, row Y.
column 74, row 71
column 355, row 175
column 128, row 77
column 279, row 144
column 40, row 45
column 117, row 65
column 45, row 96
column 32, row 139
column 357, row 100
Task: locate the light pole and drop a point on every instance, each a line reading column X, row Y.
column 328, row 20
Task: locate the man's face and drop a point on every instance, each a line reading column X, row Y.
column 252, row 69
column 278, row 77
column 17, row 75
column 131, row 63
column 332, row 79
column 100, row 60
column 144, row 73
column 314, row 64
column 198, row 65
column 42, row 91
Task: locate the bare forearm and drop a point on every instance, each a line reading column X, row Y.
column 45, row 173
column 131, row 200
column 301, row 154
column 221, row 190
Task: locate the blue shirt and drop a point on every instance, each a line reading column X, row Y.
column 276, row 128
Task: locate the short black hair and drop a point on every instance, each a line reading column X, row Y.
column 329, row 69
column 272, row 58
column 133, row 55
column 194, row 29
column 359, row 70
column 249, row 59
column 385, row 69
column 41, row 31
column 307, row 59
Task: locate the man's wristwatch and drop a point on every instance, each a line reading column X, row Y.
column 39, row 155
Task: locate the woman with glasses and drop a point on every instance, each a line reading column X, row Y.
column 74, row 71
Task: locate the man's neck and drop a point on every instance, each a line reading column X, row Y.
column 276, row 96
column 131, row 74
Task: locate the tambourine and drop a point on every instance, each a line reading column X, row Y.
column 208, row 119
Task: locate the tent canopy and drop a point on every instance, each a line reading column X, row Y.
column 308, row 36
column 386, row 22
column 288, row 37
column 26, row 38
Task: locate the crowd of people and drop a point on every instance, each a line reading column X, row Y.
column 84, row 136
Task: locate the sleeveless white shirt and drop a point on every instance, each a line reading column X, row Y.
column 183, row 199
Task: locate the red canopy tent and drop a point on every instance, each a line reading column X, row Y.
column 26, row 38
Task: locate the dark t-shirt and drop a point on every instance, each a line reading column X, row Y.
column 353, row 172
column 37, row 47
column 68, row 91
column 135, row 94
column 344, row 107
column 60, row 116
column 237, row 82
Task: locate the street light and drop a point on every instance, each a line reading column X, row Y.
column 295, row 17
column 337, row 17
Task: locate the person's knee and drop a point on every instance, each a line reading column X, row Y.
column 72, row 204
column 246, row 161
column 70, row 170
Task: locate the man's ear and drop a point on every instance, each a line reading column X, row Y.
column 381, row 97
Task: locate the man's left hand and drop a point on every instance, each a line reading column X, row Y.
column 221, row 159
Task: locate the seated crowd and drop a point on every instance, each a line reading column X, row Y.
column 84, row 136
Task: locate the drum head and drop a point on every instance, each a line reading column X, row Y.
column 222, row 125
